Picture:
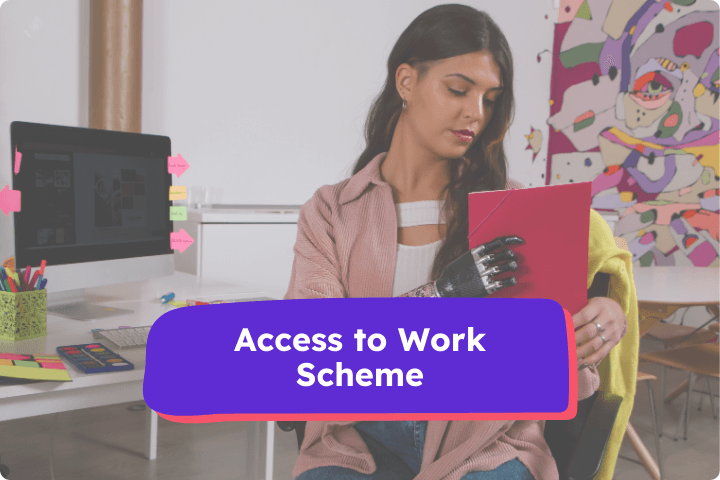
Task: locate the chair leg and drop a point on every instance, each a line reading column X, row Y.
column 682, row 412
column 701, row 400
column 642, row 452
column 662, row 401
column 712, row 398
column 676, row 392
column 655, row 429
column 693, row 377
column 684, row 416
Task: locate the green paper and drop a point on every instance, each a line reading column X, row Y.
column 178, row 214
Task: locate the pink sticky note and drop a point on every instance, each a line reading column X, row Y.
column 18, row 159
column 177, row 165
column 9, row 200
column 180, row 240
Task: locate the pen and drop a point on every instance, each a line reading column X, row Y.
column 42, row 284
column 16, row 278
column 27, row 274
column 196, row 302
column 23, row 281
column 19, row 280
column 42, row 272
column 12, row 285
column 3, row 277
column 167, row 298
column 34, row 279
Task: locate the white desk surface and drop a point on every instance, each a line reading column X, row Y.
column 244, row 215
column 143, row 298
column 678, row 285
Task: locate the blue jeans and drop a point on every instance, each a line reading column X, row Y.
column 397, row 448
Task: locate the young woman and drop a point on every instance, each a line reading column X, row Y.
column 433, row 135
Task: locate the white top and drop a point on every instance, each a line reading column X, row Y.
column 414, row 263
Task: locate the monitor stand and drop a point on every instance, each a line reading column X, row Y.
column 73, row 305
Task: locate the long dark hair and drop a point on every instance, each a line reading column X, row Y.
column 438, row 33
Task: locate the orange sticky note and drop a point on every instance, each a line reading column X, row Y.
column 178, row 192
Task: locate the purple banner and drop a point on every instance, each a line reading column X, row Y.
column 363, row 358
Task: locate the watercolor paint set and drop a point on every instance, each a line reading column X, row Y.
column 94, row 358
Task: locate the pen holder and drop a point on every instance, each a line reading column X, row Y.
column 23, row 315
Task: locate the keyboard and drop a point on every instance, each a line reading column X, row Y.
column 124, row 338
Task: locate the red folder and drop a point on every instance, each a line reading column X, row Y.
column 554, row 221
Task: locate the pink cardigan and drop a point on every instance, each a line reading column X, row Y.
column 346, row 247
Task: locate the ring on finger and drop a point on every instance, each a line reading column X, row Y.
column 603, row 339
column 600, row 329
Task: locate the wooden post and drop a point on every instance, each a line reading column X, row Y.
column 116, row 65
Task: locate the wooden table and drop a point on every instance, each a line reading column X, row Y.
column 661, row 291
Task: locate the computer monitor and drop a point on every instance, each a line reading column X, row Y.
column 95, row 206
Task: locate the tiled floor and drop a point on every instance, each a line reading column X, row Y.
column 109, row 443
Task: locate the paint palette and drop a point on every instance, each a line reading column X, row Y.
column 94, row 358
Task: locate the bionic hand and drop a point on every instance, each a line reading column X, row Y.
column 473, row 273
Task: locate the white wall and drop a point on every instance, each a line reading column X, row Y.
column 43, row 75
column 267, row 100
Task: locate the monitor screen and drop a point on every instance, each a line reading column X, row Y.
column 89, row 195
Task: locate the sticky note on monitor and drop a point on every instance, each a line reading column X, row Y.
column 178, row 214
column 178, row 192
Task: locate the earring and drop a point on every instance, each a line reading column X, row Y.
column 404, row 104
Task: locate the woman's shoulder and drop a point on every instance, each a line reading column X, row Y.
column 324, row 201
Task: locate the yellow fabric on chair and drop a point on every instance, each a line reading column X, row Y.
column 618, row 371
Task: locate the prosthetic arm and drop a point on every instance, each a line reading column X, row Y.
column 473, row 273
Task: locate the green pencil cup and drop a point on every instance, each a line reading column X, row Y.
column 23, row 315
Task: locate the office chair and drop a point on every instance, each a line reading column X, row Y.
column 577, row 445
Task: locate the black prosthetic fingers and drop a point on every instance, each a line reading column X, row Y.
column 473, row 274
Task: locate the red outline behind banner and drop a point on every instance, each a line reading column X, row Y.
column 568, row 414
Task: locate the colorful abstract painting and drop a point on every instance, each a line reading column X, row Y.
column 634, row 110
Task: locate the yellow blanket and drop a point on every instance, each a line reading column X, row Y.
column 618, row 371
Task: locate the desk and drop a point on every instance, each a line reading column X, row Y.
column 268, row 236
column 663, row 290
column 20, row 399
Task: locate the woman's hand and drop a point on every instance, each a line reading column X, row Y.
column 599, row 326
